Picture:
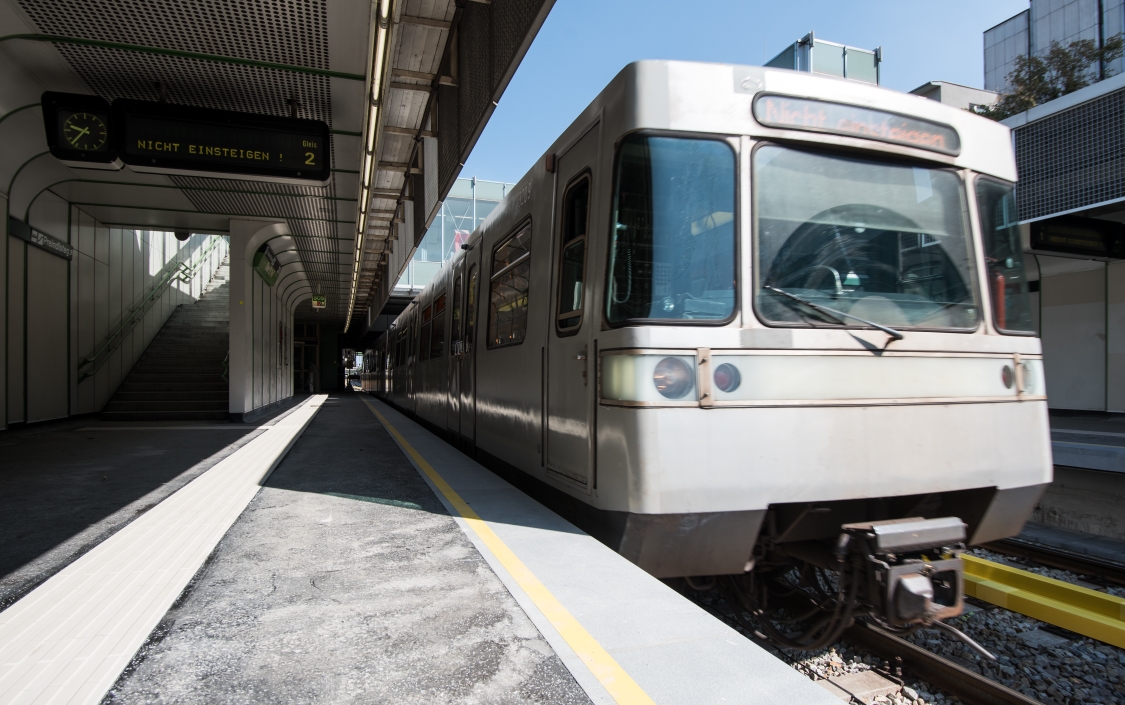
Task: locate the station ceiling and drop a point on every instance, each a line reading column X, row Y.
column 405, row 86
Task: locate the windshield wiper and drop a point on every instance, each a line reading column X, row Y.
column 835, row 313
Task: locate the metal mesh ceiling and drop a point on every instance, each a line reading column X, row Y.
column 265, row 30
column 311, row 213
column 279, row 31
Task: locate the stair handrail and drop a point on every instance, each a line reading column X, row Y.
column 182, row 272
column 226, row 367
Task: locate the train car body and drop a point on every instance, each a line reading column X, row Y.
column 737, row 308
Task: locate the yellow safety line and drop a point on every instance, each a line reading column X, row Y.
column 608, row 672
column 1087, row 612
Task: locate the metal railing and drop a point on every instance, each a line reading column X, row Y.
column 182, row 272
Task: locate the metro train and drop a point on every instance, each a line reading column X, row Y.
column 809, row 359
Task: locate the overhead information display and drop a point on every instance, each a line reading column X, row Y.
column 163, row 138
column 1079, row 236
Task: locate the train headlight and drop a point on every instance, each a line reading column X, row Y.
column 672, row 377
column 648, row 378
column 727, row 377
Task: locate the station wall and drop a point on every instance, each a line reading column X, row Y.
column 1080, row 317
column 59, row 313
column 261, row 325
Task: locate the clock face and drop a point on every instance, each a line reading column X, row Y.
column 84, row 131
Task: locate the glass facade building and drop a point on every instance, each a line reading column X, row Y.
column 1032, row 31
column 469, row 202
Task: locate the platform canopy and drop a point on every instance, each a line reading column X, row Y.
column 405, row 87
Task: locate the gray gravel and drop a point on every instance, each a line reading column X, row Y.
column 1043, row 663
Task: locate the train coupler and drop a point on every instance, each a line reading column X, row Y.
column 914, row 575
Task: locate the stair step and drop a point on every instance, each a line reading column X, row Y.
column 165, row 415
column 168, row 395
column 179, row 375
column 211, row 405
column 173, row 387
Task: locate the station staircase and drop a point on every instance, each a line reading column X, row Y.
column 182, row 375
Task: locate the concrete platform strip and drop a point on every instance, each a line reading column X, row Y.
column 68, row 640
column 625, row 636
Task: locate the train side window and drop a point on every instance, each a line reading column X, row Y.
column 572, row 260
column 437, row 334
column 424, row 338
column 1007, row 279
column 455, row 312
column 508, row 290
column 471, row 309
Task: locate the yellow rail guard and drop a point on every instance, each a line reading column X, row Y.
column 1087, row 612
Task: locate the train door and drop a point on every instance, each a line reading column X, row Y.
column 453, row 392
column 466, row 359
column 570, row 359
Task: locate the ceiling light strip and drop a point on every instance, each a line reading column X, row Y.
column 379, row 57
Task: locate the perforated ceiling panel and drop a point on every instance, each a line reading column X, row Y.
column 313, row 217
column 293, row 32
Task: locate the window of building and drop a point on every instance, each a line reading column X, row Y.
column 511, row 271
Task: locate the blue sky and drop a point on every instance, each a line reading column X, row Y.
column 584, row 43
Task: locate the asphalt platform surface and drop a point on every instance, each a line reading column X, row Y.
column 345, row 581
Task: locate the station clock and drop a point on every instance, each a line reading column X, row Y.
column 78, row 130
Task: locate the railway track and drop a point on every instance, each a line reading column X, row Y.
column 941, row 673
column 970, row 686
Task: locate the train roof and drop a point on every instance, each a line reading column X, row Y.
column 717, row 99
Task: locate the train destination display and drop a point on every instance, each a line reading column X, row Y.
column 158, row 137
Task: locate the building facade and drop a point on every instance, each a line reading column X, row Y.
column 1070, row 154
column 1032, row 31
column 470, row 201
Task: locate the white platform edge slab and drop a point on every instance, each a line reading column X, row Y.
column 676, row 651
column 68, row 640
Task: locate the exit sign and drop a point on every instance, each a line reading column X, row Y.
column 319, row 301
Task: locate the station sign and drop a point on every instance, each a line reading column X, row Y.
column 319, row 301
column 173, row 139
column 1076, row 235
column 266, row 265
column 43, row 241
column 162, row 138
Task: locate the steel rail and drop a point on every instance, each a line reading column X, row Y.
column 970, row 686
column 1061, row 558
column 943, row 674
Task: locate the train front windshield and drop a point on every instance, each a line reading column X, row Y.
column 881, row 241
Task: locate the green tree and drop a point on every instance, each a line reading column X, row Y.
column 1062, row 70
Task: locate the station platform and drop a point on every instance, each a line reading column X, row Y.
column 1089, row 442
column 338, row 552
